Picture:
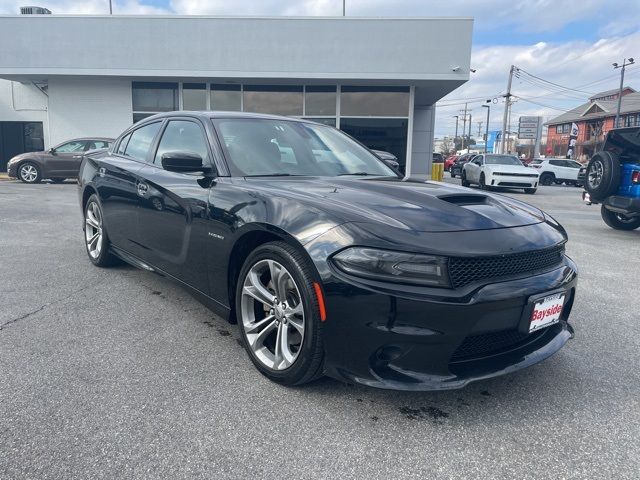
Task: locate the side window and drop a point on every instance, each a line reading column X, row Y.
column 478, row 160
column 573, row 164
column 182, row 136
column 141, row 140
column 123, row 144
column 94, row 144
column 69, row 147
column 556, row 163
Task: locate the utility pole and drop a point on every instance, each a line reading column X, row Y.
column 344, row 8
column 486, row 132
column 616, row 66
column 469, row 142
column 454, row 138
column 464, row 125
column 479, row 128
column 507, row 106
column 110, row 8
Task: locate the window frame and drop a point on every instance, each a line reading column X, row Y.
column 129, row 133
column 156, row 144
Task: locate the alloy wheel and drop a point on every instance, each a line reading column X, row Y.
column 93, row 229
column 272, row 314
column 595, row 174
column 28, row 173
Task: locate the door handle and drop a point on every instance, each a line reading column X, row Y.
column 143, row 188
column 102, row 171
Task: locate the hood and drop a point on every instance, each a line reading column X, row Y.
column 416, row 206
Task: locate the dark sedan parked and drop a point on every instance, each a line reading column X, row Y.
column 458, row 164
column 58, row 163
column 327, row 260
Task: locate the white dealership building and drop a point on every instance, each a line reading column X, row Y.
column 378, row 79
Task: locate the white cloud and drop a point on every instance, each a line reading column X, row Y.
column 570, row 64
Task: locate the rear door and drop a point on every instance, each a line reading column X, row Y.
column 118, row 182
column 173, row 206
column 472, row 169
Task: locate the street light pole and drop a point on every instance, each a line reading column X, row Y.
column 344, row 8
column 110, row 8
column 486, row 131
column 454, row 138
column 469, row 142
column 616, row 66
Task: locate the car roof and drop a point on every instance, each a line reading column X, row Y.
column 223, row 114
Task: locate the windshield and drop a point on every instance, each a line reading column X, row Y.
column 502, row 160
column 264, row 147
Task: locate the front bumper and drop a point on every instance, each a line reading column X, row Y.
column 413, row 342
column 12, row 170
column 511, row 181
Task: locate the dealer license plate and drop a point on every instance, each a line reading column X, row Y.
column 546, row 311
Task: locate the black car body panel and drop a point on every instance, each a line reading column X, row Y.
column 194, row 227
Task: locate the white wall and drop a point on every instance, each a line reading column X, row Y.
column 82, row 107
column 22, row 103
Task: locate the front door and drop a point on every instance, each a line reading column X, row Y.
column 65, row 159
column 173, row 206
column 472, row 169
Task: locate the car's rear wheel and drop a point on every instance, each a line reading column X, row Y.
column 95, row 234
column 618, row 221
column 278, row 314
column 465, row 182
column 547, row 179
column 603, row 175
column 452, row 173
column 530, row 191
column 29, row 172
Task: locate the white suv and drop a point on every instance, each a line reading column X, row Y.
column 556, row 170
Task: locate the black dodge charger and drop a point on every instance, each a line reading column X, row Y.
column 329, row 262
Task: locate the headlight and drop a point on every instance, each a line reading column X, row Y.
column 391, row 266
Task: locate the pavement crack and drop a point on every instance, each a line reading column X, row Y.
column 42, row 307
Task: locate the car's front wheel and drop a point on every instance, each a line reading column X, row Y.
column 530, row 191
column 29, row 172
column 618, row 221
column 547, row 179
column 95, row 234
column 465, row 182
column 278, row 313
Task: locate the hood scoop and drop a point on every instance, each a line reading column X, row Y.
column 463, row 200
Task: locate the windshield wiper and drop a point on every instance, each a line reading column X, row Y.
column 364, row 174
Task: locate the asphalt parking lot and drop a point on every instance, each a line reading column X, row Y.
column 119, row 373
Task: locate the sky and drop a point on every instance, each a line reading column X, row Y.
column 571, row 43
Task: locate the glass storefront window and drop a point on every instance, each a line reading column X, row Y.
column 374, row 101
column 226, row 98
column 273, row 99
column 320, row 100
column 387, row 134
column 194, row 96
column 155, row 96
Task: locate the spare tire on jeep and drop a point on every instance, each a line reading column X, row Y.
column 603, row 175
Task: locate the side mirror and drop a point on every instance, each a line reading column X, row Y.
column 52, row 151
column 182, row 162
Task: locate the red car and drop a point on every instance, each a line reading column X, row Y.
column 449, row 161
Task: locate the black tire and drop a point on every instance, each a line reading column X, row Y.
column 307, row 366
column 57, row 180
column 104, row 258
column 618, row 221
column 28, row 177
column 483, row 185
column 547, row 179
column 530, row 191
column 453, row 175
column 463, row 178
column 603, row 175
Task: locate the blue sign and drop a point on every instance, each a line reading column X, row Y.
column 492, row 139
